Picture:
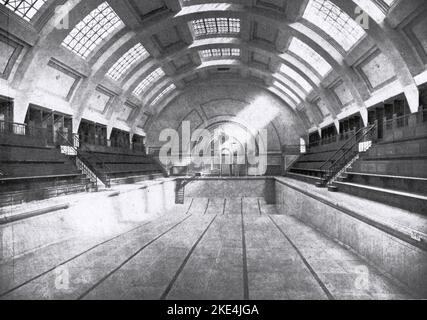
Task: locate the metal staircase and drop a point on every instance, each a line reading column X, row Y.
column 179, row 195
column 330, row 184
column 347, row 155
column 180, row 188
column 98, row 179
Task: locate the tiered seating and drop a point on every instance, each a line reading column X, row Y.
column 312, row 166
column 393, row 171
column 122, row 166
column 34, row 172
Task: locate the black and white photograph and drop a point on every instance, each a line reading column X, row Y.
column 213, row 155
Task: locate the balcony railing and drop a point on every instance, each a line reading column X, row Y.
column 407, row 120
column 93, row 140
column 333, row 139
column 20, row 129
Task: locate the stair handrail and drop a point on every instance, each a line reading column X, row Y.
column 368, row 129
column 290, row 166
column 185, row 181
column 102, row 176
column 342, row 148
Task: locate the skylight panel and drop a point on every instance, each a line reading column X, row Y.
column 94, row 28
column 335, row 22
column 163, row 94
column 135, row 54
column 149, row 81
column 314, row 59
column 235, row 52
column 287, row 91
column 26, row 9
column 291, row 85
column 226, row 52
column 296, row 76
column 222, row 52
column 210, row 26
column 216, row 52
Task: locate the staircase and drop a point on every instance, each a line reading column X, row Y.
column 95, row 182
column 179, row 194
column 338, row 176
column 394, row 170
column 180, row 188
column 98, row 180
column 347, row 155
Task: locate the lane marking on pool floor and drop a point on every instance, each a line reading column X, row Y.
column 207, row 206
column 183, row 264
column 72, row 258
column 259, row 207
column 189, row 207
column 309, row 267
column 109, row 274
column 245, row 262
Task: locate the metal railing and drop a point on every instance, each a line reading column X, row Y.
column 20, row 129
column 138, row 146
column 86, row 171
column 332, row 139
column 368, row 135
column 405, row 120
column 343, row 148
column 101, row 141
column 180, row 188
column 77, row 147
column 93, row 140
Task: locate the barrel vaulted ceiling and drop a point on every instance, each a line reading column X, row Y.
column 325, row 59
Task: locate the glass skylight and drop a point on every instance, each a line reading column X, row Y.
column 220, row 52
column 26, row 9
column 135, row 54
column 149, row 81
column 287, row 91
column 291, row 85
column 314, row 59
column 163, row 94
column 210, row 26
column 335, row 22
column 296, row 76
column 94, row 28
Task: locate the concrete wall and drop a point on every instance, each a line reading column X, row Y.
column 232, row 188
column 400, row 259
column 95, row 216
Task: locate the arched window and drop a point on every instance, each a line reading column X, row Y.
column 162, row 94
column 135, row 54
column 94, row 28
column 315, row 60
column 149, row 81
column 26, row 9
column 335, row 22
